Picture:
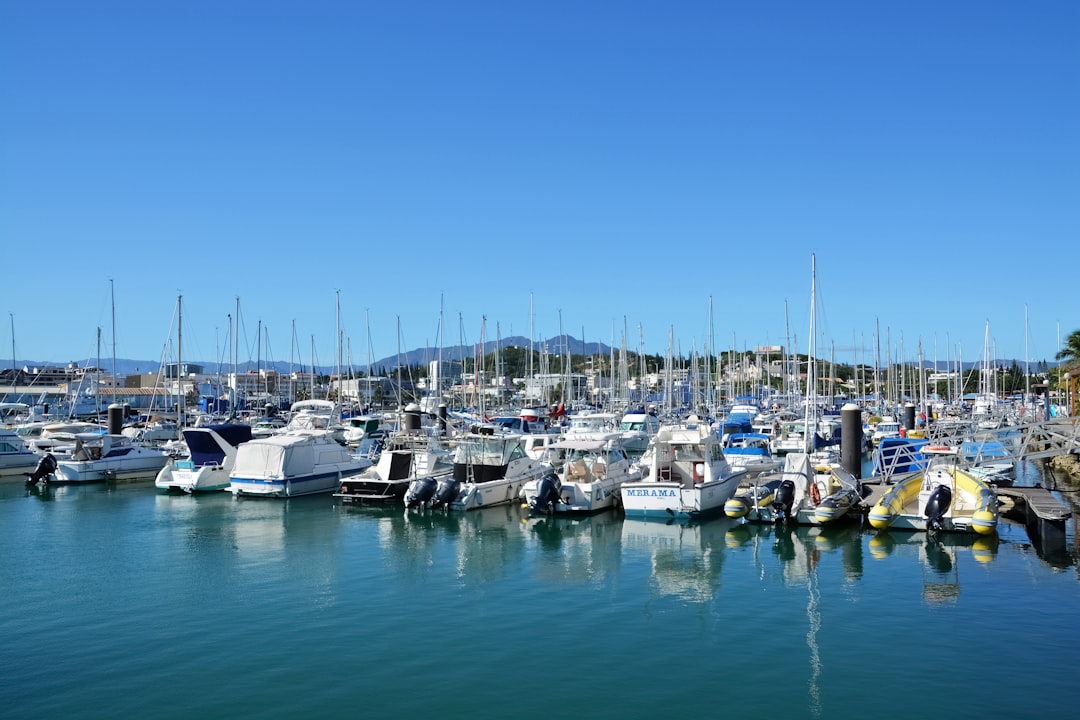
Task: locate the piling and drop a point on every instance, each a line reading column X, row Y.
column 412, row 418
column 116, row 419
column 851, row 439
column 442, row 419
column 909, row 417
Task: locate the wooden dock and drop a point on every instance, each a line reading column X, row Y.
column 1036, row 502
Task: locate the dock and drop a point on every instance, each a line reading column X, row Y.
column 1043, row 514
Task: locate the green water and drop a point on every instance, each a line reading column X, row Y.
column 121, row 602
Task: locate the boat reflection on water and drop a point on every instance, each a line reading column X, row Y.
column 800, row 547
column 486, row 543
column 938, row 555
column 577, row 548
column 983, row 548
column 686, row 558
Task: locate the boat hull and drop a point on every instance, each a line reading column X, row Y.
column 120, row 470
column 473, row 496
column 974, row 508
column 651, row 499
column 311, row 484
column 173, row 478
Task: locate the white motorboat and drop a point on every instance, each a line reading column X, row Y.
column 211, row 456
column 750, row 452
column 638, row 429
column 688, row 475
column 101, row 457
column 16, row 458
column 489, row 469
column 291, row 464
column 267, row 425
column 592, row 424
column 591, row 472
column 887, row 427
column 317, row 416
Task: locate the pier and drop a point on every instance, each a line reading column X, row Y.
column 1043, row 514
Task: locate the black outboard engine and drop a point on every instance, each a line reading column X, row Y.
column 936, row 507
column 783, row 501
column 445, row 493
column 45, row 467
column 548, row 495
column 420, row 492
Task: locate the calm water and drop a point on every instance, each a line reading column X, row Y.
column 121, row 602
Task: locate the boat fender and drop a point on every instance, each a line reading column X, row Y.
column 815, row 493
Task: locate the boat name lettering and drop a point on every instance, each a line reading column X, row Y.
column 643, row 492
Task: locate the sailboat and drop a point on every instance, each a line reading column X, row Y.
column 813, row 488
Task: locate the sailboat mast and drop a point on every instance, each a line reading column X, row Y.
column 14, row 372
column 810, row 412
column 179, row 365
column 97, row 390
column 112, row 304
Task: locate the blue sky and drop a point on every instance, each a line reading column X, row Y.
column 599, row 162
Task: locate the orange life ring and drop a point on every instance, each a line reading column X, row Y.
column 815, row 493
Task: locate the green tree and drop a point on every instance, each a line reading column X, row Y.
column 1071, row 350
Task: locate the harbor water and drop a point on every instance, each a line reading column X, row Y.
column 117, row 601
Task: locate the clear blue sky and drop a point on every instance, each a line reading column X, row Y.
column 598, row 161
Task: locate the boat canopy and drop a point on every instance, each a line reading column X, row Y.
column 276, row 456
column 204, row 447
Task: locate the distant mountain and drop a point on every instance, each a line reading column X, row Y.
column 418, row 356
column 555, row 346
column 425, row 355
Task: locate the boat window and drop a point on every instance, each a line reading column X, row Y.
column 688, row 452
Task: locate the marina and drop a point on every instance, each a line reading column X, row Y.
column 118, row 595
column 635, row 360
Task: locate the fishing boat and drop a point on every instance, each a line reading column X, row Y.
column 945, row 497
column 489, row 469
column 291, row 464
column 813, row 489
column 588, row 481
column 688, row 475
column 211, row 456
column 15, row 457
column 100, row 457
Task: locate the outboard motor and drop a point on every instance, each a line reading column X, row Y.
column 45, row 467
column 420, row 492
column 784, row 500
column 445, row 493
column 548, row 495
column 936, row 506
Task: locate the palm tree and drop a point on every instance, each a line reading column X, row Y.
column 1071, row 350
column 1070, row 353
